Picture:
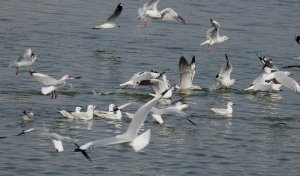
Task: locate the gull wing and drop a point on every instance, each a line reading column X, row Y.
column 213, row 32
column 152, row 4
column 186, row 73
column 170, row 14
column 102, row 142
column 288, row 82
column 44, row 79
column 226, row 70
column 116, row 13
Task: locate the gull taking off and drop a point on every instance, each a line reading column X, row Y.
column 221, row 111
column 140, row 76
column 131, row 137
column 109, row 22
column 213, row 35
column 187, row 73
column 149, row 10
column 51, row 83
column 27, row 59
column 223, row 77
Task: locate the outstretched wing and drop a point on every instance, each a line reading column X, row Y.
column 186, row 73
column 152, row 4
column 226, row 70
column 287, row 81
column 116, row 13
column 170, row 14
column 44, row 79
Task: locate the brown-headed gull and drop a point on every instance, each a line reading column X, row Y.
column 213, row 36
column 109, row 22
column 223, row 77
column 149, row 10
column 27, row 59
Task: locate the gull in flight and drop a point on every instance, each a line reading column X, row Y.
column 223, row 77
column 149, row 10
column 69, row 114
column 140, row 76
column 27, row 59
column 187, row 73
column 88, row 115
column 213, row 36
column 159, row 85
column 109, row 22
column 51, row 83
column 131, row 136
column 222, row 111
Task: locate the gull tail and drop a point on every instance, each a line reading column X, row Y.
column 77, row 149
column 206, row 42
column 250, row 88
column 47, row 90
column 141, row 141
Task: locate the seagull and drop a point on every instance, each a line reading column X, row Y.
column 28, row 116
column 58, row 139
column 51, row 83
column 159, row 85
column 175, row 109
column 283, row 78
column 114, row 112
column 26, row 131
column 223, row 77
column 27, row 59
column 109, row 22
column 297, row 38
column 187, row 73
column 140, row 76
column 131, row 137
column 221, row 111
column 213, row 35
column 149, row 10
column 69, row 114
column 88, row 115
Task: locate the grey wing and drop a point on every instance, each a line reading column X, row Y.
column 213, row 32
column 62, row 138
column 173, row 110
column 170, row 14
column 287, row 81
column 143, row 76
column 152, row 4
column 44, row 79
column 226, row 69
column 116, row 13
column 186, row 74
column 102, row 142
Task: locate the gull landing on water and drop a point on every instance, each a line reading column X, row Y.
column 51, row 83
column 131, row 137
column 149, row 10
column 187, row 73
column 109, row 22
column 223, row 77
column 27, row 59
column 213, row 36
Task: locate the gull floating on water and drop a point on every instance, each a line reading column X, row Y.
column 114, row 112
column 51, row 83
column 149, row 10
column 222, row 111
column 88, row 115
column 131, row 137
column 28, row 116
column 223, row 77
column 187, row 73
column 109, row 22
column 69, row 114
column 27, row 59
column 213, row 36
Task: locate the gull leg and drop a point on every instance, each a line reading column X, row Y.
column 51, row 95
column 209, row 49
column 17, row 71
column 55, row 94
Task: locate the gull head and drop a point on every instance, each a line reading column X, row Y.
column 78, row 109
column 230, row 103
column 224, row 38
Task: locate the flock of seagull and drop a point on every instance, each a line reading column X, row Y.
column 269, row 79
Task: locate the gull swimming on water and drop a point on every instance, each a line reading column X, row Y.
column 131, row 137
column 69, row 114
column 109, row 22
column 51, row 83
column 28, row 116
column 27, row 59
column 114, row 112
column 88, row 115
column 149, row 10
column 187, row 73
column 223, row 77
column 223, row 111
column 213, row 36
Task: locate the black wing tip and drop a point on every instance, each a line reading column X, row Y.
column 193, row 60
column 31, row 72
column 23, row 132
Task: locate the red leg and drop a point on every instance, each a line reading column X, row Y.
column 209, row 49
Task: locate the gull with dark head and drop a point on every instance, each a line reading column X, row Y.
column 131, row 137
column 51, row 83
column 149, row 10
column 223, row 77
column 27, row 59
column 213, row 36
column 110, row 20
column 28, row 116
column 187, row 73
